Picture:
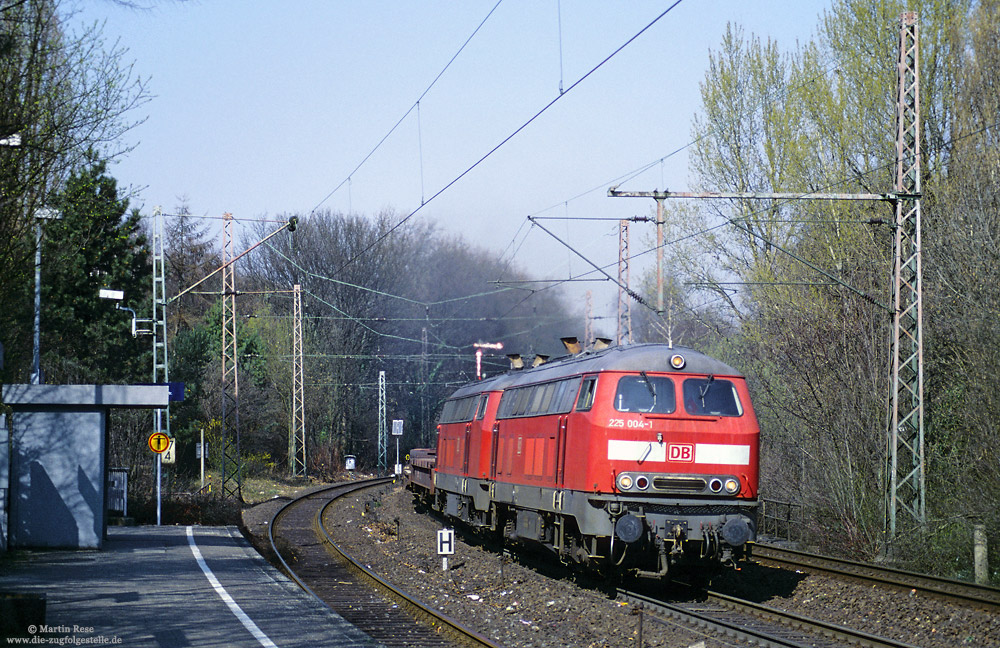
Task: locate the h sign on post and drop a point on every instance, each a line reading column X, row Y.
column 446, row 546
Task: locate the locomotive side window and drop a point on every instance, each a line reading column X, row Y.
column 522, row 398
column 711, row 397
column 506, row 403
column 540, row 397
column 586, row 400
column 563, row 400
column 467, row 408
column 459, row 410
column 447, row 412
column 513, row 402
column 644, row 393
column 537, row 400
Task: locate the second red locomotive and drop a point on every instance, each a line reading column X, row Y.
column 638, row 458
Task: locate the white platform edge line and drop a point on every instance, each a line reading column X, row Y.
column 234, row 607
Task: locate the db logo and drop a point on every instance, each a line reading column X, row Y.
column 680, row 452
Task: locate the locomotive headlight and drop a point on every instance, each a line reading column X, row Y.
column 642, row 482
column 715, row 485
column 677, row 361
column 624, row 482
column 732, row 486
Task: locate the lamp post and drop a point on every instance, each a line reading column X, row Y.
column 14, row 141
column 40, row 215
column 118, row 296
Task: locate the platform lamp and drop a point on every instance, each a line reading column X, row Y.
column 118, row 296
column 40, row 215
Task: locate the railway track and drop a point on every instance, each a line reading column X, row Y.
column 312, row 559
column 732, row 620
column 953, row 591
column 758, row 625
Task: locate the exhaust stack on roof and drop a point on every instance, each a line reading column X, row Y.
column 601, row 343
column 572, row 345
column 516, row 361
column 539, row 360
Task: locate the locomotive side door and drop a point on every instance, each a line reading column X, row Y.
column 465, row 448
column 560, row 471
column 493, row 452
column 474, row 437
column 582, row 400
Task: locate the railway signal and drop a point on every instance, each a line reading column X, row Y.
column 479, row 346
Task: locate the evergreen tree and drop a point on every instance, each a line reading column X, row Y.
column 96, row 244
column 190, row 256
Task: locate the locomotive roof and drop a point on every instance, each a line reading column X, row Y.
column 636, row 357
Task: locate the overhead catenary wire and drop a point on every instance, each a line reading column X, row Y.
column 779, row 202
column 375, row 318
column 660, row 160
column 941, row 147
column 630, row 175
column 491, row 293
column 415, row 106
column 368, row 328
column 511, row 136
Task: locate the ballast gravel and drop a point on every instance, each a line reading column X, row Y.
column 517, row 605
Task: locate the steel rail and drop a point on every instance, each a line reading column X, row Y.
column 979, row 596
column 350, row 487
column 442, row 622
column 767, row 638
column 440, row 625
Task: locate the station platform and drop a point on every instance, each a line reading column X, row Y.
column 170, row 587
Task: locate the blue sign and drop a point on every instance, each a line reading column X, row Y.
column 175, row 390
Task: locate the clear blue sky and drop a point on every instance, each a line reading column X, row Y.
column 263, row 108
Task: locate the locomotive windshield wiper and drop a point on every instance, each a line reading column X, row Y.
column 649, row 384
column 703, row 391
column 652, row 390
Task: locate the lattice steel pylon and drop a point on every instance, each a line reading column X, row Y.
column 624, row 301
column 424, row 432
column 907, row 486
column 161, row 417
column 232, row 463
column 297, row 433
column 383, row 438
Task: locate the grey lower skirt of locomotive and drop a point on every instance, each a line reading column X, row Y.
column 643, row 536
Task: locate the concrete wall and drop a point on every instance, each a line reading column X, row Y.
column 58, row 472
column 4, row 480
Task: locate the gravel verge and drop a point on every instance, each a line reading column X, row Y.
column 519, row 606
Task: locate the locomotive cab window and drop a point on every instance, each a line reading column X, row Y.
column 653, row 394
column 586, row 399
column 482, row 406
column 711, row 397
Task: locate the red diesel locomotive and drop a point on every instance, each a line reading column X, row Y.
column 638, row 458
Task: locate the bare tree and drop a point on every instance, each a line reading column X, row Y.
column 63, row 95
